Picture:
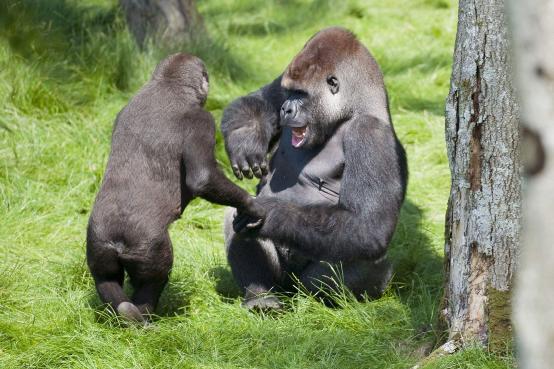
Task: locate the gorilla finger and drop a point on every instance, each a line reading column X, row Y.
column 257, row 171
column 255, row 224
column 254, row 163
column 239, row 217
column 245, row 168
column 263, row 167
column 237, row 171
column 248, row 224
column 236, row 223
column 239, row 224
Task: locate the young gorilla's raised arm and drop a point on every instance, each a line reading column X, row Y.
column 203, row 176
column 363, row 222
column 249, row 125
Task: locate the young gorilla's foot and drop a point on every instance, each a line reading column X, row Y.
column 130, row 312
column 145, row 309
column 263, row 303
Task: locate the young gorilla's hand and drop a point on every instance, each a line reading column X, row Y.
column 252, row 218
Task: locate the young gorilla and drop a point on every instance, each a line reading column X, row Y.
column 336, row 180
column 161, row 157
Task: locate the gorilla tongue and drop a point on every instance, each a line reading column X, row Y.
column 298, row 136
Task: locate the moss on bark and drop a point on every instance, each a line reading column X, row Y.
column 500, row 323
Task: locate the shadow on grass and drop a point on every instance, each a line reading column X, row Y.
column 45, row 28
column 225, row 284
column 67, row 41
column 418, row 272
column 411, row 250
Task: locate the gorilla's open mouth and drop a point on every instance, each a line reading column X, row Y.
column 299, row 136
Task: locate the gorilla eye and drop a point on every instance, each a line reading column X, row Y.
column 333, row 83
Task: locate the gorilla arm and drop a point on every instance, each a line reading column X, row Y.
column 249, row 125
column 202, row 175
column 363, row 222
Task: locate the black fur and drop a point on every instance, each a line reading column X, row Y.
column 161, row 158
column 248, row 151
column 332, row 203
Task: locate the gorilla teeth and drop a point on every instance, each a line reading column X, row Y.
column 298, row 136
column 299, row 132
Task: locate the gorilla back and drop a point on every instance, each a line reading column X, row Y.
column 161, row 157
column 336, row 179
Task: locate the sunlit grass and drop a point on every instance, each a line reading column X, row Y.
column 67, row 67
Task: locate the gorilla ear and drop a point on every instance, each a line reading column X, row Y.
column 333, row 83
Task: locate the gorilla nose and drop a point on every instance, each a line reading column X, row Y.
column 288, row 110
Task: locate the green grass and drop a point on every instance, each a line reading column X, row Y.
column 67, row 68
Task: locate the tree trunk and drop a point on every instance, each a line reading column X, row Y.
column 166, row 21
column 483, row 216
column 533, row 30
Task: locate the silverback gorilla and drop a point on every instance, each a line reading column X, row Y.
column 161, row 157
column 336, row 180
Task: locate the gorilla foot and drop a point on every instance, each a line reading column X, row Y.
column 263, row 303
column 147, row 310
column 130, row 313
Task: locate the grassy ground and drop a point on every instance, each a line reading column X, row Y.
column 67, row 67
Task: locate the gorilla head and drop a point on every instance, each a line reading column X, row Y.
column 333, row 77
column 186, row 72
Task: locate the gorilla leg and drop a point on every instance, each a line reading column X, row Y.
column 255, row 265
column 361, row 277
column 149, row 274
column 108, row 274
column 147, row 294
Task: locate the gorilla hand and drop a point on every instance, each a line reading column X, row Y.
column 246, row 223
column 248, row 125
column 250, row 217
column 247, row 156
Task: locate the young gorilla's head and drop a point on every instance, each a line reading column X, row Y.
column 327, row 83
column 186, row 73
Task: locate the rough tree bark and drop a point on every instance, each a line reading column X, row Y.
column 533, row 31
column 483, row 216
column 166, row 21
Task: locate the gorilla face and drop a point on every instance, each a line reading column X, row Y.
column 313, row 111
column 319, row 87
